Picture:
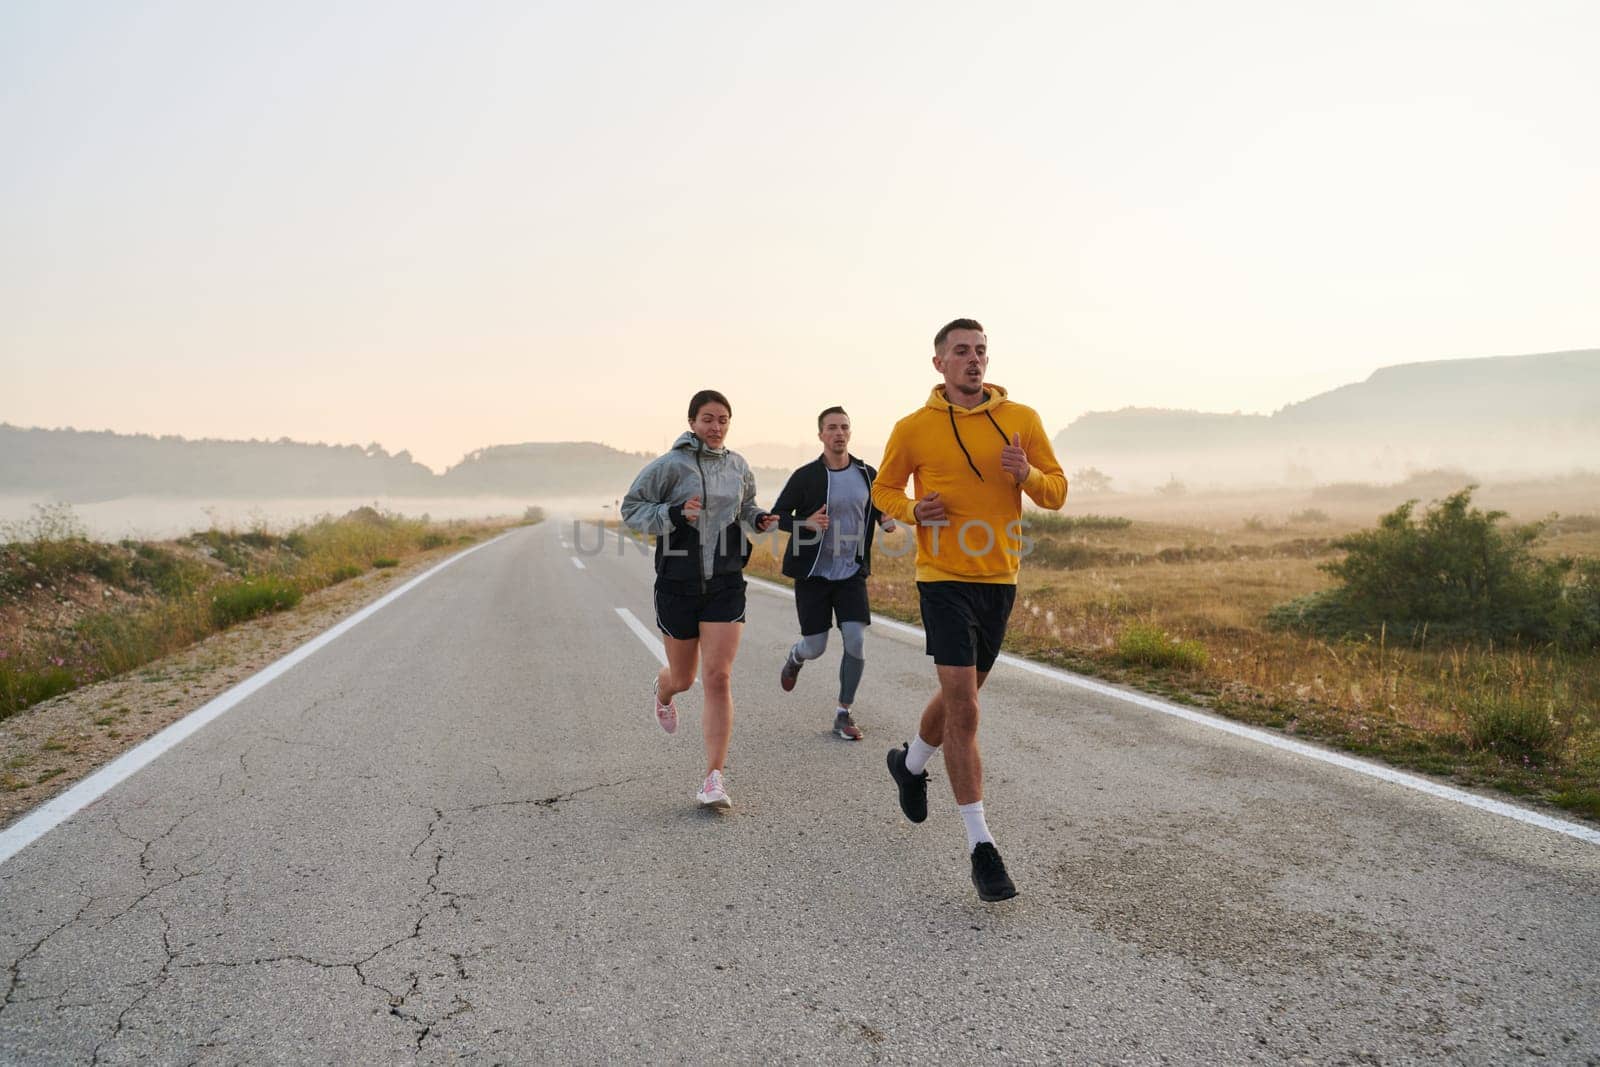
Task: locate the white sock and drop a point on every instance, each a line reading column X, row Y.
column 841, row 711
column 918, row 755
column 977, row 828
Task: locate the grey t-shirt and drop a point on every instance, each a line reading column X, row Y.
column 847, row 522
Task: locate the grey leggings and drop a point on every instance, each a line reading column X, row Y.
column 854, row 634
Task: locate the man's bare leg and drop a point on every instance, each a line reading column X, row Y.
column 931, row 728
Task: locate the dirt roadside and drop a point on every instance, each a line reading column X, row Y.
column 51, row 746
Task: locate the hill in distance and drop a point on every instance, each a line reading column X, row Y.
column 1522, row 416
column 85, row 467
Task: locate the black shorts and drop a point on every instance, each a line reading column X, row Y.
column 965, row 622
column 679, row 615
column 819, row 601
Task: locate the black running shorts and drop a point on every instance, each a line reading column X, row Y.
column 819, row 601
column 680, row 614
column 965, row 622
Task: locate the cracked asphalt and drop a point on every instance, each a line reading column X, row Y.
column 455, row 834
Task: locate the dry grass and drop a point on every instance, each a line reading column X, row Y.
column 74, row 611
column 1457, row 710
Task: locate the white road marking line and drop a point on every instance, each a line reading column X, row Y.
column 578, row 563
column 52, row 813
column 651, row 641
column 1251, row 733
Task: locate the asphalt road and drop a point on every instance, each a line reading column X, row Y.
column 455, row 833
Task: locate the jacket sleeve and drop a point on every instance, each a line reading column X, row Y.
column 889, row 487
column 1046, row 484
column 646, row 507
column 750, row 513
column 788, row 504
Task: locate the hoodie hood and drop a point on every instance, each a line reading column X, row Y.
column 727, row 491
column 688, row 441
column 993, row 401
column 996, row 397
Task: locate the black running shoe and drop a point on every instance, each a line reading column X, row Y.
column 913, row 787
column 989, row 874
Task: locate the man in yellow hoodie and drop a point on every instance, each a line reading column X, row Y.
column 971, row 453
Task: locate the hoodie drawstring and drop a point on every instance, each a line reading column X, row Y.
column 951, row 410
column 963, row 445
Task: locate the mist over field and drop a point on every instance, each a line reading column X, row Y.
column 1413, row 430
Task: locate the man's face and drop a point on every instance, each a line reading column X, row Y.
column 710, row 423
column 835, row 435
column 962, row 359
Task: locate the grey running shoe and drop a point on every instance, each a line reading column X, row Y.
column 989, row 874
column 845, row 728
column 791, row 671
column 913, row 787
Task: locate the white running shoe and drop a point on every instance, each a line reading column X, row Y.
column 712, row 794
column 666, row 715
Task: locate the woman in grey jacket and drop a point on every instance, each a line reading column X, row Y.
column 698, row 500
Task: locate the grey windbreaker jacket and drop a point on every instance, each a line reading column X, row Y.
column 727, row 490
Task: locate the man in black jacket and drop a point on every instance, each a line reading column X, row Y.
column 826, row 507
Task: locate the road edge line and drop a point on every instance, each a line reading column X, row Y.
column 57, row 810
column 1251, row 733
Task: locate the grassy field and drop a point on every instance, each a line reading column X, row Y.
column 1178, row 607
column 74, row 611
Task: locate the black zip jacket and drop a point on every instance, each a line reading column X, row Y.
column 805, row 492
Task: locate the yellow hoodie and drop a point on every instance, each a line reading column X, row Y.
column 955, row 452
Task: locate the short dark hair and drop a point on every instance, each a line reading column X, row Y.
column 956, row 324
column 704, row 397
column 835, row 410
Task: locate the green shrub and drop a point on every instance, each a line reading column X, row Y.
column 224, row 548
column 1151, row 646
column 1172, row 487
column 1458, row 572
column 385, row 562
column 1583, row 801
column 1053, row 522
column 1048, row 552
column 233, row 602
column 1309, row 515
column 166, row 572
column 1580, row 604
column 431, row 540
column 1511, row 726
column 51, row 560
column 1327, row 611
column 369, row 516
column 23, row 687
column 343, row 573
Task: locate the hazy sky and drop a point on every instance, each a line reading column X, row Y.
column 445, row 226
